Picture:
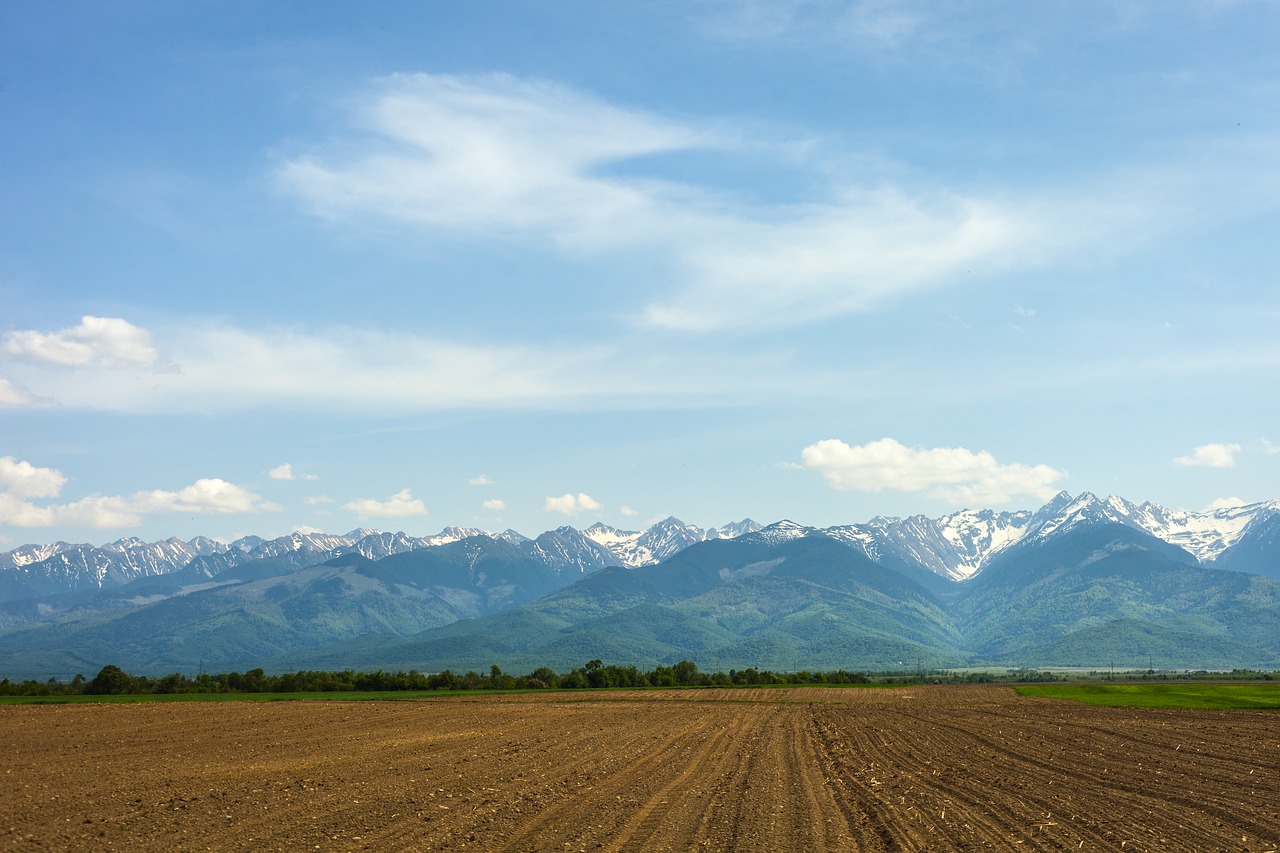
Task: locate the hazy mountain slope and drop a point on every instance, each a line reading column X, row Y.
column 1257, row 550
column 1081, row 581
column 758, row 600
column 1027, row 605
column 265, row 609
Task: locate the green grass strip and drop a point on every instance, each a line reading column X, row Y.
column 1224, row 697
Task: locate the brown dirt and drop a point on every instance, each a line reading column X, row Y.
column 919, row 768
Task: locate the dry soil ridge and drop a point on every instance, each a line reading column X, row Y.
column 920, row 768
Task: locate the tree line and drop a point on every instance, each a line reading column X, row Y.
column 112, row 680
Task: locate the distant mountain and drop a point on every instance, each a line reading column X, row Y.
column 661, row 541
column 961, row 545
column 67, row 568
column 1081, row 581
column 268, row 607
column 60, row 567
column 1257, row 550
column 1082, row 594
column 761, row 599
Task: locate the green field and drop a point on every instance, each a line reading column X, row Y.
column 1255, row 697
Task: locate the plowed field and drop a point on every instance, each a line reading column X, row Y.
column 918, row 768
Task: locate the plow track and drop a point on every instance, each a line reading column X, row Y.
column 919, row 768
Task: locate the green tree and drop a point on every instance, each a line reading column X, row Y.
column 110, row 679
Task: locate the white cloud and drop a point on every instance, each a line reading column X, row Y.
column 481, row 480
column 97, row 342
column 1023, row 311
column 206, row 495
column 285, row 471
column 1269, row 448
column 950, row 473
column 571, row 504
column 526, row 160
column 400, row 505
column 495, row 504
column 1210, row 456
column 22, row 482
column 627, row 511
column 1225, row 503
column 318, row 500
column 25, row 480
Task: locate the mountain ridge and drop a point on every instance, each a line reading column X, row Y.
column 958, row 545
column 1050, row 584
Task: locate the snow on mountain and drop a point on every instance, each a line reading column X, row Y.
column 375, row 545
column 956, row 546
column 665, row 539
column 73, row 567
column 453, row 534
column 922, row 540
column 781, row 531
column 298, row 541
column 735, row 529
column 961, row 544
column 978, row 535
column 1205, row 535
column 28, row 554
column 567, row 546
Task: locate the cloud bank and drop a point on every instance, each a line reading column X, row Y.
column 21, row 483
column 954, row 474
column 1210, row 456
column 108, row 342
column 400, row 505
column 571, row 504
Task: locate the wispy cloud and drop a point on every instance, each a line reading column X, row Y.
column 528, row 160
column 226, row 367
column 495, row 504
column 571, row 504
column 954, row 474
column 400, row 505
column 480, row 480
column 1210, row 456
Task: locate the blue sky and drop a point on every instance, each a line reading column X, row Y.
column 404, row 265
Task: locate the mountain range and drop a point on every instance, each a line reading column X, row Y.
column 1082, row 581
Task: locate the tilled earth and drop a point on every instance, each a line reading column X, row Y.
column 915, row 768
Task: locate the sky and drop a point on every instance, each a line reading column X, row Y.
column 269, row 266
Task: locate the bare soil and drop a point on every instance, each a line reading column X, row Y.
column 917, row 768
